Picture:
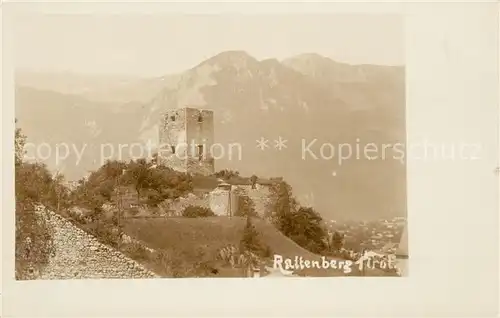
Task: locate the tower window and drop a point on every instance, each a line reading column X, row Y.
column 200, row 119
column 173, row 149
column 172, row 118
column 200, row 152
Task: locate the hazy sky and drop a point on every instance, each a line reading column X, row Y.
column 153, row 45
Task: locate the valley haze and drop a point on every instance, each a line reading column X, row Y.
column 292, row 88
column 303, row 98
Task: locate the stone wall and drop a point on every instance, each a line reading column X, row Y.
column 219, row 202
column 261, row 198
column 172, row 133
column 200, row 132
column 184, row 134
column 177, row 206
column 79, row 255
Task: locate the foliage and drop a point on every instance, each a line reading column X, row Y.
column 301, row 224
column 251, row 241
column 34, row 185
column 105, row 231
column 98, row 188
column 180, row 264
column 197, row 212
column 246, row 207
column 336, row 241
column 227, row 174
column 253, row 180
column 137, row 174
column 165, row 183
column 136, row 251
column 306, row 229
column 152, row 183
column 19, row 142
column 34, row 241
column 284, row 205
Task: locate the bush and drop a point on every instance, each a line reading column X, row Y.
column 253, row 180
column 151, row 184
column 336, row 241
column 250, row 241
column 136, row 252
column 246, row 206
column 34, row 242
column 226, row 174
column 197, row 212
column 34, row 185
column 104, row 232
column 301, row 224
column 180, row 264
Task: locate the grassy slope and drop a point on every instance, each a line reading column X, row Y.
column 188, row 237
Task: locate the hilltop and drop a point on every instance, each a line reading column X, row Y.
column 186, row 246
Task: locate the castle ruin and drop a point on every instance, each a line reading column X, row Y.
column 186, row 136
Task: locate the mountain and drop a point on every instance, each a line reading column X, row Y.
column 306, row 99
column 73, row 127
column 97, row 88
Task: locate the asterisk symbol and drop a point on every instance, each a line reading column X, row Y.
column 262, row 143
column 280, row 143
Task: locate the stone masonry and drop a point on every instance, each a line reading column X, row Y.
column 79, row 255
column 186, row 137
column 261, row 198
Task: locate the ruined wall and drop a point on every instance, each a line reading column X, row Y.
column 219, row 202
column 79, row 255
column 200, row 134
column 261, row 197
column 207, row 127
column 190, row 132
column 177, row 206
column 224, row 200
column 172, row 133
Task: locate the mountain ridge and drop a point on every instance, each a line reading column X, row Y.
column 252, row 99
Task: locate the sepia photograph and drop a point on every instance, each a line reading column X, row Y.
column 158, row 156
column 210, row 146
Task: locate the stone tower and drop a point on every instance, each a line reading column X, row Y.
column 186, row 136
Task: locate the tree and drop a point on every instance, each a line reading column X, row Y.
column 34, row 241
column 113, row 169
column 251, row 242
column 306, row 229
column 246, row 207
column 284, row 206
column 197, row 212
column 166, row 182
column 34, row 238
column 156, row 183
column 301, row 224
column 19, row 142
column 227, row 174
column 336, row 241
column 137, row 174
column 253, row 180
column 93, row 193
